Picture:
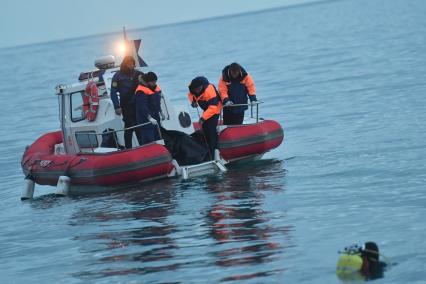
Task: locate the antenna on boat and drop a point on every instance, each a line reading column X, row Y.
column 133, row 48
column 124, row 34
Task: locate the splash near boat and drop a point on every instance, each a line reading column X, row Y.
column 88, row 153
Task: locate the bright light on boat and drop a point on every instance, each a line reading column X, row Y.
column 122, row 48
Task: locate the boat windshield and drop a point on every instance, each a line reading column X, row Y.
column 76, row 104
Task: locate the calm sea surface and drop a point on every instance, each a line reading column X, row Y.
column 347, row 81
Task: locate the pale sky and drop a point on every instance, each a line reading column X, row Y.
column 33, row 21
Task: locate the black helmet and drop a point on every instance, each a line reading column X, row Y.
column 235, row 67
column 197, row 82
column 371, row 250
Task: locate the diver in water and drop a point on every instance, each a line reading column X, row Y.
column 373, row 266
column 357, row 263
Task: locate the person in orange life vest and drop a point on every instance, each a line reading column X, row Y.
column 148, row 108
column 124, row 83
column 203, row 94
column 235, row 87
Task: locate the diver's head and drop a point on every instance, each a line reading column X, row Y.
column 371, row 251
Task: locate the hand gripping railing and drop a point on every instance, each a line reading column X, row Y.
column 92, row 147
column 251, row 104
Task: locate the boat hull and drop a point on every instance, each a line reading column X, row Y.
column 41, row 164
column 148, row 162
column 243, row 141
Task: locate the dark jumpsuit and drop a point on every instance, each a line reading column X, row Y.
column 148, row 103
column 125, row 84
column 237, row 90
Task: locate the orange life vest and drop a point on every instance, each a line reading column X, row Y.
column 209, row 101
column 147, row 90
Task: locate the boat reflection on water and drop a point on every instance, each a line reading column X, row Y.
column 179, row 231
column 240, row 224
column 130, row 233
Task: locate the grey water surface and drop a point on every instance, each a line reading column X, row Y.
column 345, row 79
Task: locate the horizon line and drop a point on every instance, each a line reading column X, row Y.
column 159, row 26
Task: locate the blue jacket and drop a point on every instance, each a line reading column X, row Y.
column 125, row 84
column 148, row 102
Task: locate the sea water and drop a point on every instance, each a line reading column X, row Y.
column 345, row 79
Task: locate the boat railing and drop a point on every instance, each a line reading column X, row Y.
column 114, row 132
column 252, row 105
column 165, row 106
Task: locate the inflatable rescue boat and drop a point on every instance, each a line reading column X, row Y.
column 86, row 155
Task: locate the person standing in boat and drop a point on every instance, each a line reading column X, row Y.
column 124, row 83
column 148, row 108
column 203, row 94
column 236, row 86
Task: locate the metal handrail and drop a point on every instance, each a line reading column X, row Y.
column 165, row 105
column 115, row 136
column 251, row 104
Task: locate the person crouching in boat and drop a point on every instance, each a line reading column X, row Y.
column 203, row 94
column 148, row 108
column 235, row 86
column 123, row 84
column 356, row 263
